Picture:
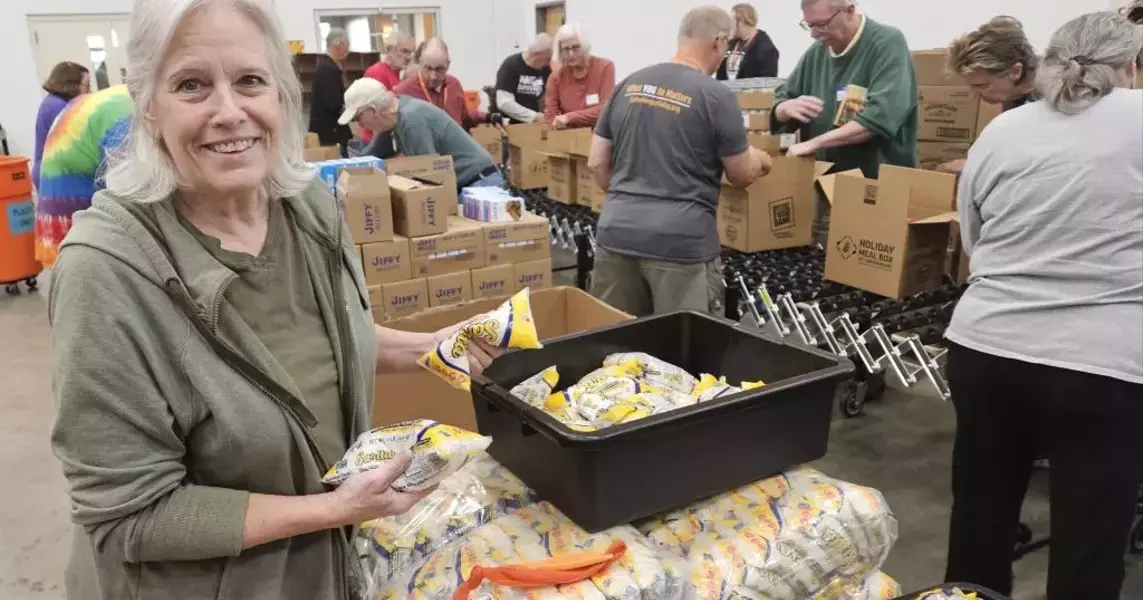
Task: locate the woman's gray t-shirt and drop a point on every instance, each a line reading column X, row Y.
column 1051, row 212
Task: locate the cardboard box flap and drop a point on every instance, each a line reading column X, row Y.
column 822, row 167
column 403, row 183
column 947, row 217
column 827, row 183
column 929, row 190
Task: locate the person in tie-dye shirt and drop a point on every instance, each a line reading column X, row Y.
column 72, row 165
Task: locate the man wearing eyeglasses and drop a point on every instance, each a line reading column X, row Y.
column 853, row 96
column 434, row 85
column 853, row 53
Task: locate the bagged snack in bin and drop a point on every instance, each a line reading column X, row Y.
column 659, row 373
column 438, row 451
column 790, row 537
column 479, row 492
column 710, row 387
column 509, row 326
column 537, row 553
column 535, row 389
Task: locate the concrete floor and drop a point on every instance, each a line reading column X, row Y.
column 901, row 446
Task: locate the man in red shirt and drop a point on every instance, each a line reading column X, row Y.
column 434, row 85
column 398, row 53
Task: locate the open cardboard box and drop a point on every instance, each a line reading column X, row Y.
column 889, row 235
column 423, row 395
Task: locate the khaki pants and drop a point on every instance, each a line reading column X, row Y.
column 641, row 287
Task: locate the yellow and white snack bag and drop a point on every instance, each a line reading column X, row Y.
column 535, row 389
column 710, row 387
column 437, row 452
column 877, row 586
column 479, row 492
column 794, row 536
column 659, row 373
column 509, row 326
column 948, row 593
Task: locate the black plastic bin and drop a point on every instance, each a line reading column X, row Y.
column 630, row 471
column 982, row 593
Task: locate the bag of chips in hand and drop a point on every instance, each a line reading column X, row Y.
column 479, row 492
column 509, row 326
column 437, row 452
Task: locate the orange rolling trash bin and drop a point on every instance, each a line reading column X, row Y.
column 17, row 225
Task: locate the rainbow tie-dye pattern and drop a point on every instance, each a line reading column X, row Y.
column 74, row 154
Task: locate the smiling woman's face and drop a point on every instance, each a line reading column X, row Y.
column 215, row 106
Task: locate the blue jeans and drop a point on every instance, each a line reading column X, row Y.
column 490, row 180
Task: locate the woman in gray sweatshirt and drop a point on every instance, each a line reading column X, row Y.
column 1046, row 353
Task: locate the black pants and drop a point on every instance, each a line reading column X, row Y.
column 1009, row 413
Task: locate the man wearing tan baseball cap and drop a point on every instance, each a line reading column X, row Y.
column 402, row 125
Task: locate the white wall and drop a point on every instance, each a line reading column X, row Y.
column 634, row 37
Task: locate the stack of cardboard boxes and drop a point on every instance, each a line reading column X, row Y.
column 569, row 179
column 949, row 114
column 417, row 254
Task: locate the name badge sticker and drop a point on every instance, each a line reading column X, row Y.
column 592, row 99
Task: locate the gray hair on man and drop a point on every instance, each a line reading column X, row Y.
column 542, row 43
column 705, row 23
column 571, row 31
column 838, row 4
column 396, row 37
column 141, row 169
column 336, row 35
column 1086, row 59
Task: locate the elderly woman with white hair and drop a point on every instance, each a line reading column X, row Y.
column 581, row 86
column 1046, row 346
column 213, row 351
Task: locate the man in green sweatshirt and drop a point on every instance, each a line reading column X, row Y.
column 852, row 50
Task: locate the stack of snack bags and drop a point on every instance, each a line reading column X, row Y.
column 628, row 387
column 479, row 492
column 794, row 536
column 948, row 593
column 534, row 533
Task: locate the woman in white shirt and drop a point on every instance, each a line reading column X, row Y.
column 1046, row 346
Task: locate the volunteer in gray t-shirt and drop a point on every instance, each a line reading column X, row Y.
column 661, row 146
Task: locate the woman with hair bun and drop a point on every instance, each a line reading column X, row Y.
column 1046, row 346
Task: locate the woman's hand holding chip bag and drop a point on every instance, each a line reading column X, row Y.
column 369, row 495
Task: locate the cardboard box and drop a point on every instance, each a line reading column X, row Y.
column 930, row 155
column 985, row 115
column 328, row 170
column 889, row 236
column 756, row 100
column 489, row 137
column 432, row 168
column 929, row 65
column 561, row 178
column 570, row 141
column 527, row 164
column 311, row 140
column 418, row 206
column 398, row 299
column 452, row 288
column 522, row 241
column 587, row 192
column 368, row 206
column 536, row 274
column 947, row 114
column 459, row 248
column 386, row 262
column 493, row 282
column 756, row 121
column 320, row 153
column 770, row 144
column 423, row 395
column 776, row 211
